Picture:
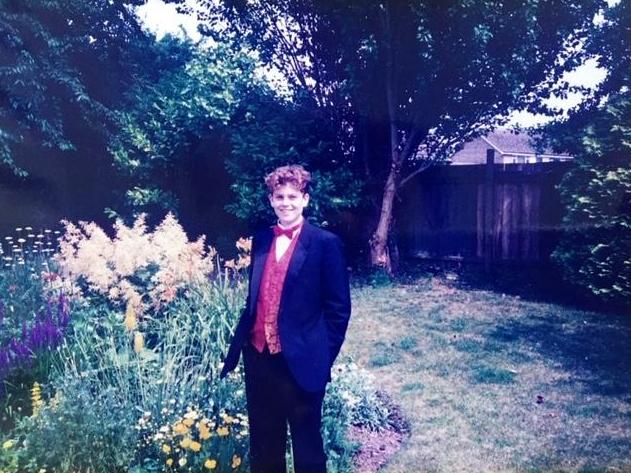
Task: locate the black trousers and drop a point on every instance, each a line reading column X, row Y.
column 275, row 399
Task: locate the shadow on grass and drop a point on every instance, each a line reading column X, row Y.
column 594, row 348
column 537, row 283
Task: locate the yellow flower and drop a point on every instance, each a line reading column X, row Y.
column 196, row 446
column 186, row 442
column 236, row 461
column 204, row 434
column 139, row 342
column 243, row 262
column 8, row 444
column 131, row 323
column 180, row 428
column 223, row 431
column 36, row 398
column 188, row 422
column 166, row 448
column 244, row 244
column 210, row 464
column 169, row 461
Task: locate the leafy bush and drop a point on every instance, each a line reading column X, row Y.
column 78, row 429
column 595, row 251
column 351, row 400
column 354, row 386
column 109, row 382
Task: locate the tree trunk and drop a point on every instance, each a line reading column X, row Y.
column 379, row 251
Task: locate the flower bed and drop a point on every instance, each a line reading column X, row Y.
column 124, row 337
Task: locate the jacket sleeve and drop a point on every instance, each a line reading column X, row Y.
column 336, row 298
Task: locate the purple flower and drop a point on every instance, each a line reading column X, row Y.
column 45, row 333
column 19, row 350
column 5, row 362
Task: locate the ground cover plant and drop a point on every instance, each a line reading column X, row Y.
column 494, row 382
column 132, row 348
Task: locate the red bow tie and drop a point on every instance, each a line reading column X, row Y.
column 288, row 232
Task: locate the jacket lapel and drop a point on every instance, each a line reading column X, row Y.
column 296, row 262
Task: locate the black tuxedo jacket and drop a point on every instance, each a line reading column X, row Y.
column 315, row 305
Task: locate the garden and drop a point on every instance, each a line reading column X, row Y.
column 132, row 160
column 111, row 350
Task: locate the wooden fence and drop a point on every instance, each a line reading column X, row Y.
column 488, row 212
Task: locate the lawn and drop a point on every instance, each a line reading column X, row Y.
column 492, row 382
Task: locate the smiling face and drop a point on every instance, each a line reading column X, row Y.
column 288, row 204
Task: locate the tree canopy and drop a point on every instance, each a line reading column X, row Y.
column 406, row 82
column 595, row 249
column 268, row 132
column 164, row 120
column 63, row 65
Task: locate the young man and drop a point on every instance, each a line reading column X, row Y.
column 291, row 329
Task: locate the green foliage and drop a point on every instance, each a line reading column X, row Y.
column 404, row 83
column 351, row 400
column 63, row 64
column 268, row 132
column 403, row 73
column 354, row 387
column 105, row 383
column 24, row 259
column 84, row 429
column 595, row 251
column 166, row 118
column 335, row 420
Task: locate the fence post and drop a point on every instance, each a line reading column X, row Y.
column 489, row 208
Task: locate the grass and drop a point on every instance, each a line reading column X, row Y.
column 492, row 382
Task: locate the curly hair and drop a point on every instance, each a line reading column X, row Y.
column 293, row 174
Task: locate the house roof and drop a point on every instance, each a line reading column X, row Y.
column 504, row 142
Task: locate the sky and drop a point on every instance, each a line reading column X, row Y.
column 163, row 18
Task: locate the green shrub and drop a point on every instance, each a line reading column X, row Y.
column 80, row 429
column 355, row 387
column 108, row 384
column 351, row 399
column 595, row 250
